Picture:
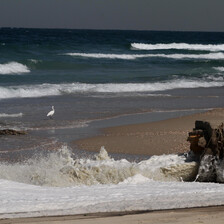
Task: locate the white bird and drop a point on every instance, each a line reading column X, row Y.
column 51, row 113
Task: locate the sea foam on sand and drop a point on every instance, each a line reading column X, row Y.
column 23, row 200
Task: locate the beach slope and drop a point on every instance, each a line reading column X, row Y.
column 155, row 138
column 181, row 216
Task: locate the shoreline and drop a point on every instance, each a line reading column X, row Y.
column 141, row 133
column 206, row 215
column 149, row 138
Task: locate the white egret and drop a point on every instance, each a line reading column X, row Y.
column 51, row 113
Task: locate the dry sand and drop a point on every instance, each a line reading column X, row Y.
column 156, row 138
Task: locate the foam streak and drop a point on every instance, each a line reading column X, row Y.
column 210, row 56
column 178, row 46
column 11, row 115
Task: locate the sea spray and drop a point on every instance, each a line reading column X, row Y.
column 211, row 169
column 220, row 171
column 59, row 168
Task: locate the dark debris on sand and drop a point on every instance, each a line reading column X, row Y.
column 12, row 132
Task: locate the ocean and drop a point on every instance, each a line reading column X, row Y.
column 92, row 75
column 97, row 79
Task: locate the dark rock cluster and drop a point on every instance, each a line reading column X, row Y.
column 12, row 132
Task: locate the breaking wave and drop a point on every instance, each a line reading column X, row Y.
column 61, row 169
column 179, row 46
column 210, row 56
column 13, row 68
column 111, row 88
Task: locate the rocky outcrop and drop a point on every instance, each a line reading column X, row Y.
column 12, row 132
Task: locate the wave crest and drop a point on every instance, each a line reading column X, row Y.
column 60, row 169
column 210, row 56
column 84, row 88
column 106, row 56
column 13, row 68
column 178, row 46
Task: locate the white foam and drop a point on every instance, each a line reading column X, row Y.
column 221, row 69
column 29, row 91
column 136, row 179
column 135, row 191
column 209, row 56
column 60, row 169
column 77, row 88
column 22, row 200
column 215, row 77
column 13, row 68
column 11, row 115
column 178, row 46
column 106, row 56
column 220, row 171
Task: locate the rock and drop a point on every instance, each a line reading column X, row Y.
column 12, row 132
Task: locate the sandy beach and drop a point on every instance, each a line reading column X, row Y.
column 181, row 216
column 155, row 138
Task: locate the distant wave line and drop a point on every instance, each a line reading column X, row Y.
column 11, row 115
column 210, row 56
column 178, row 46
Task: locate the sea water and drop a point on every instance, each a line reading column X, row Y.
column 97, row 79
column 93, row 74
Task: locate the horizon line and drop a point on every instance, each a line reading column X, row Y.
column 99, row 29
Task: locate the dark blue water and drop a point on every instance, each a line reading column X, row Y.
column 94, row 74
column 101, row 57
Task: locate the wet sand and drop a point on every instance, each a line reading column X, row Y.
column 205, row 215
column 155, row 138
